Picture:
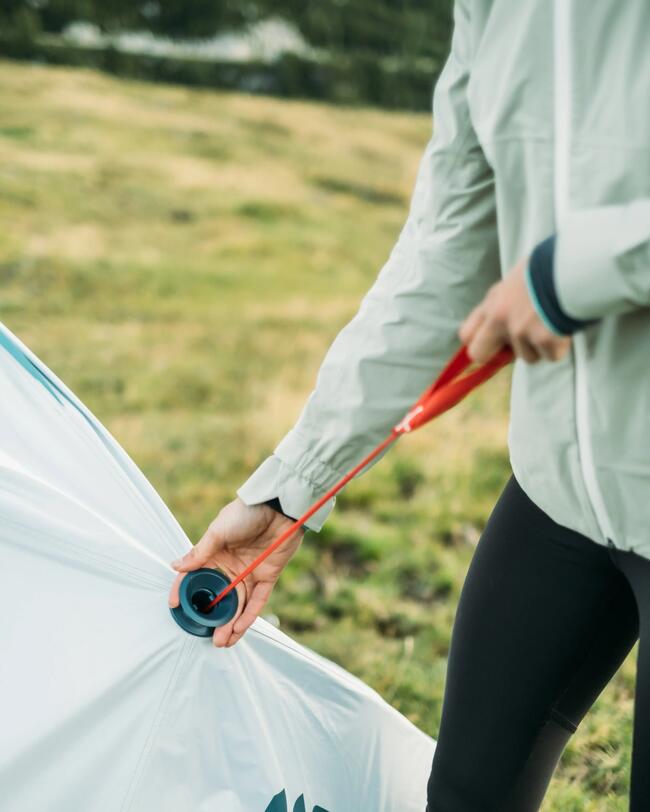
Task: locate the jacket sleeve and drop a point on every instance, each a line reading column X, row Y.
column 405, row 329
column 602, row 261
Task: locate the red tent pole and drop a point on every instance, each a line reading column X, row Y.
column 448, row 389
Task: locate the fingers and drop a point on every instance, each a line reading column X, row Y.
column 471, row 324
column 201, row 553
column 174, row 598
column 195, row 558
column 192, row 560
column 222, row 634
column 507, row 315
column 256, row 603
column 560, row 349
column 488, row 340
column 523, row 348
column 484, row 332
column 551, row 348
column 534, row 342
column 227, row 636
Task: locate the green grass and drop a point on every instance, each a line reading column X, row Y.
column 183, row 260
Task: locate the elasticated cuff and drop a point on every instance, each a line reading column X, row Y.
column 540, row 279
column 276, row 479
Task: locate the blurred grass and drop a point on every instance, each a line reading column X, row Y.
column 183, row 259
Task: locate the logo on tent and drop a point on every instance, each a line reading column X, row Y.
column 279, row 804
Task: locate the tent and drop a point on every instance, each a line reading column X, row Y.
column 106, row 704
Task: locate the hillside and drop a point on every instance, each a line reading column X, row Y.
column 183, row 259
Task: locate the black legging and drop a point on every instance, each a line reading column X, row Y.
column 545, row 618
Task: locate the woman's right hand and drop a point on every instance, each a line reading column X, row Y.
column 233, row 540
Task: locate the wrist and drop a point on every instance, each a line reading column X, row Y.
column 277, row 506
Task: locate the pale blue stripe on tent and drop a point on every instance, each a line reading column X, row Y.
column 30, row 367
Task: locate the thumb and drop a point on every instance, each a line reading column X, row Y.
column 200, row 554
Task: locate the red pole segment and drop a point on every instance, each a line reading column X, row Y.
column 447, row 390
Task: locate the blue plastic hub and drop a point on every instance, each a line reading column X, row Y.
column 197, row 589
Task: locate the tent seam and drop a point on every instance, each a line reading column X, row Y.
column 105, row 561
column 318, row 661
column 179, row 666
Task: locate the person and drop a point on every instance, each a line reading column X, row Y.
column 529, row 225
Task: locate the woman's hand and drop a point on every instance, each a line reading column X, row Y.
column 235, row 538
column 508, row 316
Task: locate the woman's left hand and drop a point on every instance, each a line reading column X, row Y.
column 507, row 316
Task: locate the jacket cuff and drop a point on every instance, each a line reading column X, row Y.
column 601, row 260
column 274, row 478
column 540, row 280
column 277, row 506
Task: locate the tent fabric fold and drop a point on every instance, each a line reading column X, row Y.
column 106, row 705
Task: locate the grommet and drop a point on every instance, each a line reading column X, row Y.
column 196, row 591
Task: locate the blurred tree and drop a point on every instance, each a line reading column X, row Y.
column 19, row 22
column 198, row 18
column 385, row 52
column 56, row 14
column 405, row 28
column 174, row 18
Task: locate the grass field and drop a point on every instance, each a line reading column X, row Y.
column 183, row 260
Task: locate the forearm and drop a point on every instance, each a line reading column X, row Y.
column 380, row 362
column 406, row 326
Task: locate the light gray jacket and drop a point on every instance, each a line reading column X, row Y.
column 542, row 126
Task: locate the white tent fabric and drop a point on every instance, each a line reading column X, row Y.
column 106, row 705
